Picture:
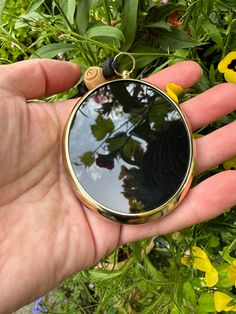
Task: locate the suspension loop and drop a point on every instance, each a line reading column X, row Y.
column 126, row 73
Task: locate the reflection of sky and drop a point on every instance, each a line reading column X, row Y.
column 103, row 185
column 107, row 190
column 172, row 116
column 82, row 125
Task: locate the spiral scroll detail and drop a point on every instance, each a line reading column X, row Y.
column 94, row 77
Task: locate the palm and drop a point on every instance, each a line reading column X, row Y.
column 45, row 218
column 42, row 207
column 57, row 236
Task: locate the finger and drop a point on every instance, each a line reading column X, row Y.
column 38, row 78
column 203, row 202
column 185, row 74
column 210, row 105
column 215, row 148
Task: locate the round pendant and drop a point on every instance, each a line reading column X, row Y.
column 128, row 151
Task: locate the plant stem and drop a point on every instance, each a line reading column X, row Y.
column 188, row 15
column 92, row 41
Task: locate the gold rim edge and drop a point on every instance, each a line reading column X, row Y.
column 120, row 217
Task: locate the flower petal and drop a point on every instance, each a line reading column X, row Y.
column 221, row 300
column 230, row 76
column 211, row 277
column 232, row 272
column 172, row 95
column 177, row 89
column 230, row 56
column 185, row 260
column 201, row 260
column 223, row 65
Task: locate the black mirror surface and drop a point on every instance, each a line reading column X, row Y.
column 129, row 146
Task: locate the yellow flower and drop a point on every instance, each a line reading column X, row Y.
column 221, row 301
column 228, row 67
column 232, row 272
column 173, row 91
column 202, row 262
column 186, row 259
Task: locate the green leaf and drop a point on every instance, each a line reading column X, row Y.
column 2, row 5
column 22, row 22
column 144, row 59
column 213, row 31
column 129, row 22
column 151, row 308
column 82, row 16
column 157, row 13
column 155, row 274
column 230, row 164
column 206, row 303
column 101, row 275
column 189, row 293
column 102, row 127
column 223, row 270
column 179, row 54
column 68, row 7
column 51, row 50
column 105, row 31
column 87, row 159
column 34, row 5
column 214, row 241
column 159, row 24
column 177, row 39
column 175, row 310
column 232, row 302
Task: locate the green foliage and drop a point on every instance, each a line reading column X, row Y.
column 129, row 22
column 2, row 4
column 147, row 276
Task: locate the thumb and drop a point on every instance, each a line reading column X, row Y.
column 38, row 78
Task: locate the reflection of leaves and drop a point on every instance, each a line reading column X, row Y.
column 117, row 142
column 134, row 189
column 87, row 159
column 132, row 148
column 157, row 117
column 105, row 161
column 102, row 127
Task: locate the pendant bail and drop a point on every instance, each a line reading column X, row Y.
column 126, row 73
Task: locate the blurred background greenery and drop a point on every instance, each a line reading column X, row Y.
column 148, row 276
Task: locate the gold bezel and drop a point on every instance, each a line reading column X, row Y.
column 134, row 218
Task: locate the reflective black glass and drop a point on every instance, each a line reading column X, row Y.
column 129, row 146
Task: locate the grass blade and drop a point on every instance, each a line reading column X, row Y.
column 2, row 5
column 129, row 22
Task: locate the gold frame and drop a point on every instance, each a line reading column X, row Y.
column 134, row 218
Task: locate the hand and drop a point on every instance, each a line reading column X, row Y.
column 46, row 234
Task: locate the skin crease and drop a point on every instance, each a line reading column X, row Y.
column 46, row 234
